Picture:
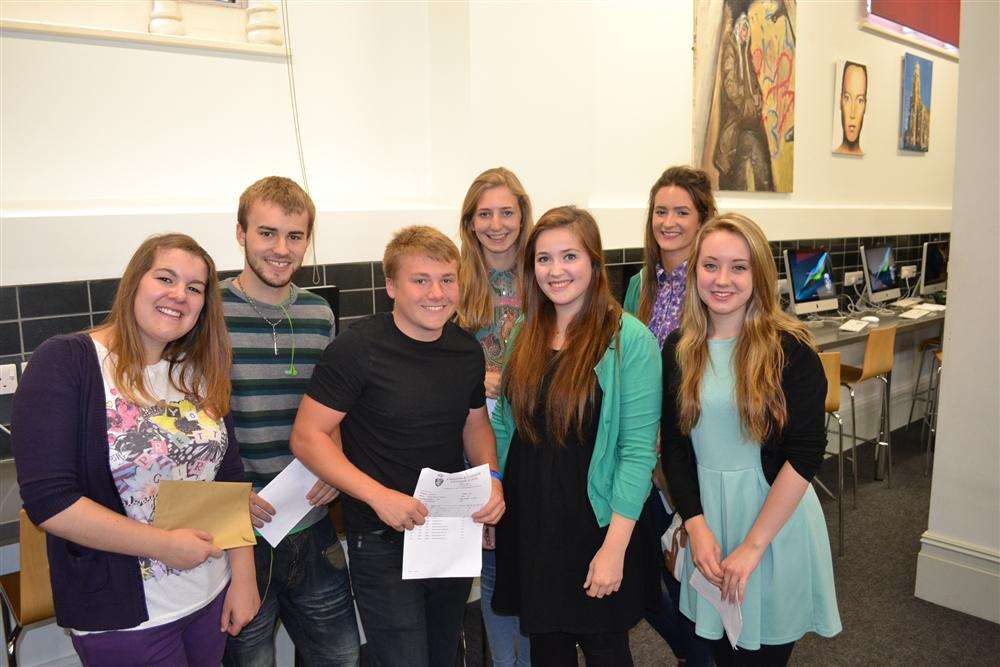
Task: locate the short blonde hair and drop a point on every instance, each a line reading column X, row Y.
column 418, row 240
column 284, row 192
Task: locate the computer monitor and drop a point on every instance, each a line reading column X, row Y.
column 881, row 279
column 934, row 277
column 810, row 277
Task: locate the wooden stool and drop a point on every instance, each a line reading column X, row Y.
column 931, row 410
column 926, row 347
column 26, row 596
column 877, row 365
column 831, row 368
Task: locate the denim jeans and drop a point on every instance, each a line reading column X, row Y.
column 411, row 622
column 508, row 645
column 307, row 586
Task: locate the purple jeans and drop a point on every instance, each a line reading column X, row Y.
column 195, row 640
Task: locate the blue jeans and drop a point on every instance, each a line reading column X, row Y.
column 307, row 586
column 508, row 645
column 408, row 622
column 676, row 628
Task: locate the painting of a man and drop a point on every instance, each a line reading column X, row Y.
column 852, row 101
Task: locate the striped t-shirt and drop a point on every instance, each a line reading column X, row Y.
column 265, row 395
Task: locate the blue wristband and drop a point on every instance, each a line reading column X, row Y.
column 497, row 475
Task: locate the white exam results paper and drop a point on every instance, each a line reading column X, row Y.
column 449, row 543
column 731, row 614
column 287, row 492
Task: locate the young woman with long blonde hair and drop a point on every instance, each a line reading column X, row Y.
column 496, row 220
column 743, row 434
column 576, row 424
column 100, row 418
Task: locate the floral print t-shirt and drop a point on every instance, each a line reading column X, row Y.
column 173, row 439
column 506, row 310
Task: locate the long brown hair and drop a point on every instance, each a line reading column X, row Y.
column 587, row 338
column 204, row 353
column 699, row 188
column 475, row 307
column 758, row 360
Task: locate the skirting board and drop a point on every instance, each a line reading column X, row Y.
column 960, row 576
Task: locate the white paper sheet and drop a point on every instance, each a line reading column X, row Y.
column 449, row 543
column 731, row 614
column 287, row 492
column 667, row 538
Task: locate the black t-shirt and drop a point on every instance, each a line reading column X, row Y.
column 406, row 401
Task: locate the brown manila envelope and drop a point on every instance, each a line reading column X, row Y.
column 219, row 508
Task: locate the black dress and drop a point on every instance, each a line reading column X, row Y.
column 549, row 535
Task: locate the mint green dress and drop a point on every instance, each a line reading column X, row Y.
column 791, row 592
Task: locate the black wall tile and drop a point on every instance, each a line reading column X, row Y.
column 378, row 276
column 383, row 304
column 10, row 338
column 307, row 276
column 616, row 281
column 633, row 255
column 8, row 303
column 356, row 275
column 353, row 304
column 37, row 332
column 102, row 293
column 53, row 299
column 98, row 318
column 616, row 256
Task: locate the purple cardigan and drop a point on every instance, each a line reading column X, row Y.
column 60, row 439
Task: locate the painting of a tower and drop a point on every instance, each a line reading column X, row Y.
column 915, row 109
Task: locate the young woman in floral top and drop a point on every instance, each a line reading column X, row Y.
column 496, row 220
column 680, row 202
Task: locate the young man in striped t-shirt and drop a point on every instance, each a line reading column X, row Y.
column 278, row 334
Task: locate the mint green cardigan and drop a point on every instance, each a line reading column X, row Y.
column 621, row 467
column 631, row 303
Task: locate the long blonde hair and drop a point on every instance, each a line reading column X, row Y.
column 586, row 340
column 203, row 353
column 475, row 308
column 699, row 188
column 759, row 359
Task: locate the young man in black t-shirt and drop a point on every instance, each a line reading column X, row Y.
column 395, row 393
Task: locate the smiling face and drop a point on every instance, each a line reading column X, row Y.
column 496, row 223
column 675, row 224
column 725, row 279
column 274, row 244
column 425, row 294
column 563, row 269
column 853, row 102
column 169, row 299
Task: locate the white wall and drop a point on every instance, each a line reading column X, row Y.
column 959, row 563
column 401, row 105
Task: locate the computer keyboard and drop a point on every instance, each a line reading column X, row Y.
column 853, row 325
column 908, row 302
column 933, row 307
column 914, row 313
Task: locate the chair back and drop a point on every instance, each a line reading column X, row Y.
column 831, row 368
column 36, row 586
column 879, row 352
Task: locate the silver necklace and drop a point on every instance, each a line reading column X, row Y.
column 274, row 325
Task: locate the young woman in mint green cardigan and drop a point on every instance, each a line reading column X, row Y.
column 576, row 424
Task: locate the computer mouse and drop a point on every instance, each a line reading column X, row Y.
column 870, row 318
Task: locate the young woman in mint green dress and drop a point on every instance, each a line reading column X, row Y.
column 743, row 435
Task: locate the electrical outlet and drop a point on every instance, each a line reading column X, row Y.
column 908, row 271
column 8, row 379
column 783, row 286
column 852, row 277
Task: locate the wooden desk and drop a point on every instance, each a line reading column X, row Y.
column 830, row 337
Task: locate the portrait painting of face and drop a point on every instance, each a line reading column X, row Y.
column 850, row 104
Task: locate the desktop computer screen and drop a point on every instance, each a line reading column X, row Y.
column 935, row 272
column 881, row 277
column 810, row 274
